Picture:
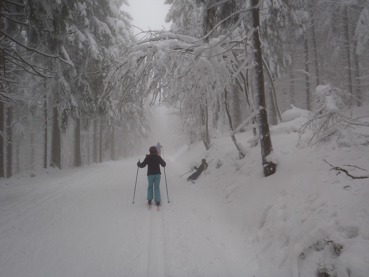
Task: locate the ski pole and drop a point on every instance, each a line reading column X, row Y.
column 185, row 173
column 134, row 193
column 166, row 184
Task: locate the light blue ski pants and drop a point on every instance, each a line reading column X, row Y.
column 154, row 187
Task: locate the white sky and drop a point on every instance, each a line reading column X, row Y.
column 148, row 14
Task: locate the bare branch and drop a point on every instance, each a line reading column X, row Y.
column 27, row 70
column 340, row 169
column 14, row 3
column 17, row 21
column 9, row 81
column 355, row 167
column 32, row 67
column 350, row 122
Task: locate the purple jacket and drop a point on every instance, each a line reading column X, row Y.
column 153, row 162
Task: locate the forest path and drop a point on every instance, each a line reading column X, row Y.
column 83, row 223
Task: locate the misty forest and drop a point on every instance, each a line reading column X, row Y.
column 76, row 83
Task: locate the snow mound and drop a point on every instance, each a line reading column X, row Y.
column 292, row 121
column 294, row 113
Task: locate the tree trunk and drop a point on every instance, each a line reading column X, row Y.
column 216, row 114
column 9, row 143
column 254, row 141
column 45, row 128
column 32, row 143
column 347, row 48
column 17, row 158
column 209, row 20
column 112, row 143
column 233, row 137
column 357, row 77
column 208, row 24
column 313, row 33
column 101, row 140
column 292, row 79
column 88, row 141
column 77, row 144
column 94, row 140
column 262, row 118
column 205, row 126
column 2, row 108
column 307, row 74
column 2, row 132
column 55, row 141
column 236, row 104
column 273, row 112
column 2, row 114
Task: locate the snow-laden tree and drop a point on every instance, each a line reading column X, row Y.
column 339, row 20
column 300, row 30
column 53, row 58
column 48, row 28
column 93, row 33
column 98, row 31
column 361, row 38
column 362, row 30
column 20, row 60
column 331, row 118
column 185, row 16
column 199, row 70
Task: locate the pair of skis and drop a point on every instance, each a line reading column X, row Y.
column 149, row 206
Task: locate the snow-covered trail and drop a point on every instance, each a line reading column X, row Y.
column 83, row 223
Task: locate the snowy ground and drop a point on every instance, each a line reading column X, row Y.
column 231, row 222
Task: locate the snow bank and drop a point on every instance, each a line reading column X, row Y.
column 294, row 113
column 305, row 219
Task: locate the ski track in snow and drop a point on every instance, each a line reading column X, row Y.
column 86, row 225
column 156, row 262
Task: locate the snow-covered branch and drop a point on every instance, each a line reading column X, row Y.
column 33, row 49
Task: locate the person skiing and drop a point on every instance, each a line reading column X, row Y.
column 153, row 162
column 198, row 171
column 159, row 147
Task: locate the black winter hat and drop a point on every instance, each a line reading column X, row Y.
column 153, row 150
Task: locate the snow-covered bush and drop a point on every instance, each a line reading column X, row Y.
column 332, row 115
column 331, row 100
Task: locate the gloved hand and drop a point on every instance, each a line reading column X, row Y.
column 195, row 168
column 138, row 163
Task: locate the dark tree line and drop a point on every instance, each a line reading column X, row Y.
column 53, row 61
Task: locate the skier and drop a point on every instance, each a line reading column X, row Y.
column 198, row 171
column 153, row 162
column 159, row 147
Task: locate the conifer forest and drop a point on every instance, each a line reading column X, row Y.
column 77, row 82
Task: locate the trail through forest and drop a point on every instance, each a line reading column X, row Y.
column 81, row 222
column 232, row 222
